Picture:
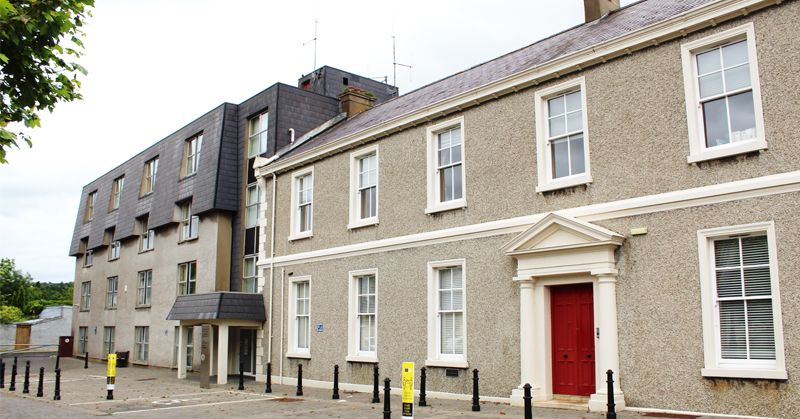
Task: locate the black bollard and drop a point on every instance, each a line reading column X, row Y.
column 26, row 384
column 86, row 360
column 335, row 382
column 13, row 386
column 527, row 398
column 423, row 376
column 387, row 404
column 299, row 380
column 241, row 376
column 2, row 374
column 268, row 388
column 57, row 395
column 58, row 361
column 612, row 414
column 40, row 388
column 376, row 397
column 476, row 400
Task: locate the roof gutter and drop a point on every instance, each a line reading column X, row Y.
column 679, row 25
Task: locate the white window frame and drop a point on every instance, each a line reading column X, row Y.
column 713, row 365
column 262, row 135
column 353, row 332
column 116, row 192
column 253, row 277
column 435, row 358
column 433, row 203
column 88, row 258
column 144, row 288
column 91, row 203
column 140, row 343
column 191, row 154
column 108, row 339
column 694, row 116
column 86, row 296
column 114, row 250
column 294, row 351
column 112, row 292
column 544, row 158
column 147, row 236
column 252, row 204
column 355, row 208
column 149, row 176
column 187, row 285
column 83, row 339
column 295, row 233
column 190, row 224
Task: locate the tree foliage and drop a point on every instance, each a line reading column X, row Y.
column 18, row 290
column 39, row 43
column 10, row 314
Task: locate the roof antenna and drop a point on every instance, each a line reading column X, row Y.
column 394, row 61
column 314, row 40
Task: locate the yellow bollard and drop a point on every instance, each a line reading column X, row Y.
column 111, row 374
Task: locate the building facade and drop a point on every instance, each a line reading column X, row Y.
column 176, row 225
column 620, row 196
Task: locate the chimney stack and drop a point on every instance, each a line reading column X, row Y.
column 353, row 101
column 595, row 9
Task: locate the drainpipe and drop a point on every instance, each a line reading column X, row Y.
column 271, row 265
column 291, row 138
column 283, row 280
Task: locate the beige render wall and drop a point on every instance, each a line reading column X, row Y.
column 638, row 145
column 402, row 301
column 164, row 262
column 659, row 312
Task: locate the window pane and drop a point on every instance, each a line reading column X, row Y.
column 444, row 157
column 557, row 126
column 576, row 156
column 734, row 53
column 446, row 184
column 737, row 78
column 458, row 299
column 445, row 279
column 458, row 191
column 574, row 101
column 574, row 121
column 743, row 117
column 446, row 300
column 708, row 62
column 302, row 332
column 458, row 333
column 757, row 281
column 729, row 283
column 447, row 330
column 760, row 329
column 715, row 118
column 726, row 253
column 732, row 330
column 455, row 136
column 555, row 106
column 711, row 85
column 560, row 159
column 455, row 154
column 457, row 277
column 755, row 250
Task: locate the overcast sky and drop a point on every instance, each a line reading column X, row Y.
column 156, row 65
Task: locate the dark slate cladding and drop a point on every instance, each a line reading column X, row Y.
column 229, row 168
column 628, row 19
column 218, row 306
column 169, row 189
column 331, row 81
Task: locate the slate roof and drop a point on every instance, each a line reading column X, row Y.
column 219, row 306
column 620, row 22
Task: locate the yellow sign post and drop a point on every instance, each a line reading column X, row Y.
column 111, row 374
column 408, row 390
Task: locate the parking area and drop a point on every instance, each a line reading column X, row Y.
column 157, row 393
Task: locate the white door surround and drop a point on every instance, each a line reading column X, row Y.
column 560, row 250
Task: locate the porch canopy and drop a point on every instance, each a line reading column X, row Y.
column 222, row 310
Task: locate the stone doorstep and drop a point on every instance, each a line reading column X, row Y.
column 565, row 402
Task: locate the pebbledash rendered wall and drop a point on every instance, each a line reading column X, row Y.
column 638, row 146
column 214, row 235
column 658, row 303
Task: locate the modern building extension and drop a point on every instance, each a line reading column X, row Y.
column 177, row 225
column 620, row 196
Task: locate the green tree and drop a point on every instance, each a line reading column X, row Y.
column 39, row 41
column 10, row 314
column 15, row 287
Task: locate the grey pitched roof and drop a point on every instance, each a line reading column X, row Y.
column 218, row 306
column 625, row 20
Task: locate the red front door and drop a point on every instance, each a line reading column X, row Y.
column 572, row 329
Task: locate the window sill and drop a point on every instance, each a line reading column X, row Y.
column 727, row 150
column 362, row 359
column 114, row 260
column 190, row 175
column 446, row 206
column 555, row 185
column 298, row 355
column 300, row 236
column 141, row 363
column 142, row 307
column 87, row 266
column 190, row 239
column 146, row 250
column 367, row 222
column 444, row 363
column 744, row 373
column 145, row 195
column 84, row 310
column 111, row 308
